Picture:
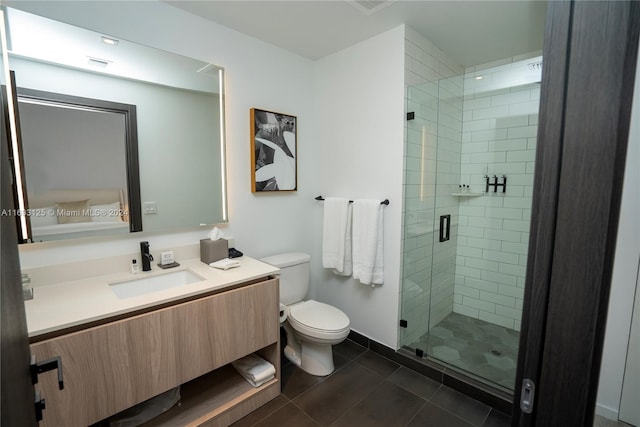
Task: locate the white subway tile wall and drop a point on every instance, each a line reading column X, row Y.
column 435, row 133
column 500, row 117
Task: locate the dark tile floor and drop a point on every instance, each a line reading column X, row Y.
column 368, row 390
column 481, row 348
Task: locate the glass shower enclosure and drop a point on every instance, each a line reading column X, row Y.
column 469, row 163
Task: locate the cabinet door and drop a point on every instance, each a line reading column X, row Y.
column 117, row 365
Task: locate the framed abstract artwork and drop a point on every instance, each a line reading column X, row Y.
column 274, row 138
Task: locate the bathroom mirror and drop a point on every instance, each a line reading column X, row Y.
column 179, row 112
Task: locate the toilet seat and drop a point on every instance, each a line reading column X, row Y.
column 318, row 320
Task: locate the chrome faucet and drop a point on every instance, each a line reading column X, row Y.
column 145, row 256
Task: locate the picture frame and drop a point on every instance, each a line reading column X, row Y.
column 274, row 147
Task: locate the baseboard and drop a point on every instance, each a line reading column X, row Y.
column 605, row 411
column 496, row 398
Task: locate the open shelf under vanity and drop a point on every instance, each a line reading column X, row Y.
column 216, row 399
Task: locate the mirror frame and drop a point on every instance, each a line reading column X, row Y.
column 131, row 145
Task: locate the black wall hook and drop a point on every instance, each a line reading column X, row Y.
column 495, row 184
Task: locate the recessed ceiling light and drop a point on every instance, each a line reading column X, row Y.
column 479, row 77
column 108, row 40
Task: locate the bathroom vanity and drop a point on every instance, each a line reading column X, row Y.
column 118, row 351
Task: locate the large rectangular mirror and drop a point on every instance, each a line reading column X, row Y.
column 79, row 162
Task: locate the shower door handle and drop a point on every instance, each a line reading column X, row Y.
column 445, row 227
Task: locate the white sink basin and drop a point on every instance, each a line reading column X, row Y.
column 147, row 285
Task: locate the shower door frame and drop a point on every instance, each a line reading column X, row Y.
column 590, row 55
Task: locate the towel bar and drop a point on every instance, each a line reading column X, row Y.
column 384, row 202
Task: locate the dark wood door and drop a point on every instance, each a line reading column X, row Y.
column 16, row 390
column 590, row 57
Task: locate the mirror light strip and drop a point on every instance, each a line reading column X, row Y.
column 223, row 161
column 22, row 212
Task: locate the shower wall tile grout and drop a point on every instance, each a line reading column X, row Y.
column 470, row 128
column 499, row 132
column 426, row 65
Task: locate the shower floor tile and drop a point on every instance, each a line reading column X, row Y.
column 478, row 347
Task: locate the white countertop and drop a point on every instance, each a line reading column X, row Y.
column 72, row 303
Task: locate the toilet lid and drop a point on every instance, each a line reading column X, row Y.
column 317, row 315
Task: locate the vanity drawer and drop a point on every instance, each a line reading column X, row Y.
column 111, row 367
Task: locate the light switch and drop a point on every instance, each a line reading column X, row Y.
column 150, row 208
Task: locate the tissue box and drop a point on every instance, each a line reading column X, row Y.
column 213, row 250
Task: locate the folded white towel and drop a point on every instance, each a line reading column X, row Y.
column 368, row 246
column 259, row 383
column 254, row 368
column 334, row 234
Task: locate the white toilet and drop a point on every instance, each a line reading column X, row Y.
column 311, row 326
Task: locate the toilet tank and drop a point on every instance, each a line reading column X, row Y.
column 294, row 275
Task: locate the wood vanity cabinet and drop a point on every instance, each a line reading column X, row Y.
column 113, row 366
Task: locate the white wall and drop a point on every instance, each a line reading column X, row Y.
column 359, row 154
column 258, row 75
column 625, row 270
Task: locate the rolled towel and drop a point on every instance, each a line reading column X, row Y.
column 254, row 369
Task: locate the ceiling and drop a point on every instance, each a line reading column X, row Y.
column 470, row 32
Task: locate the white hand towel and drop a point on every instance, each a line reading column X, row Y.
column 348, row 263
column 254, row 368
column 334, row 233
column 259, row 383
column 368, row 245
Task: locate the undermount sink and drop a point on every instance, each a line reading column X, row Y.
column 147, row 285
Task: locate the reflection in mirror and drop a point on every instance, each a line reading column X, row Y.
column 98, row 195
column 179, row 108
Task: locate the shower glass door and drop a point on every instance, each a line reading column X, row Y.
column 419, row 211
column 469, row 181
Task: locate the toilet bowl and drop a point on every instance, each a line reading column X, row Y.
column 312, row 327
